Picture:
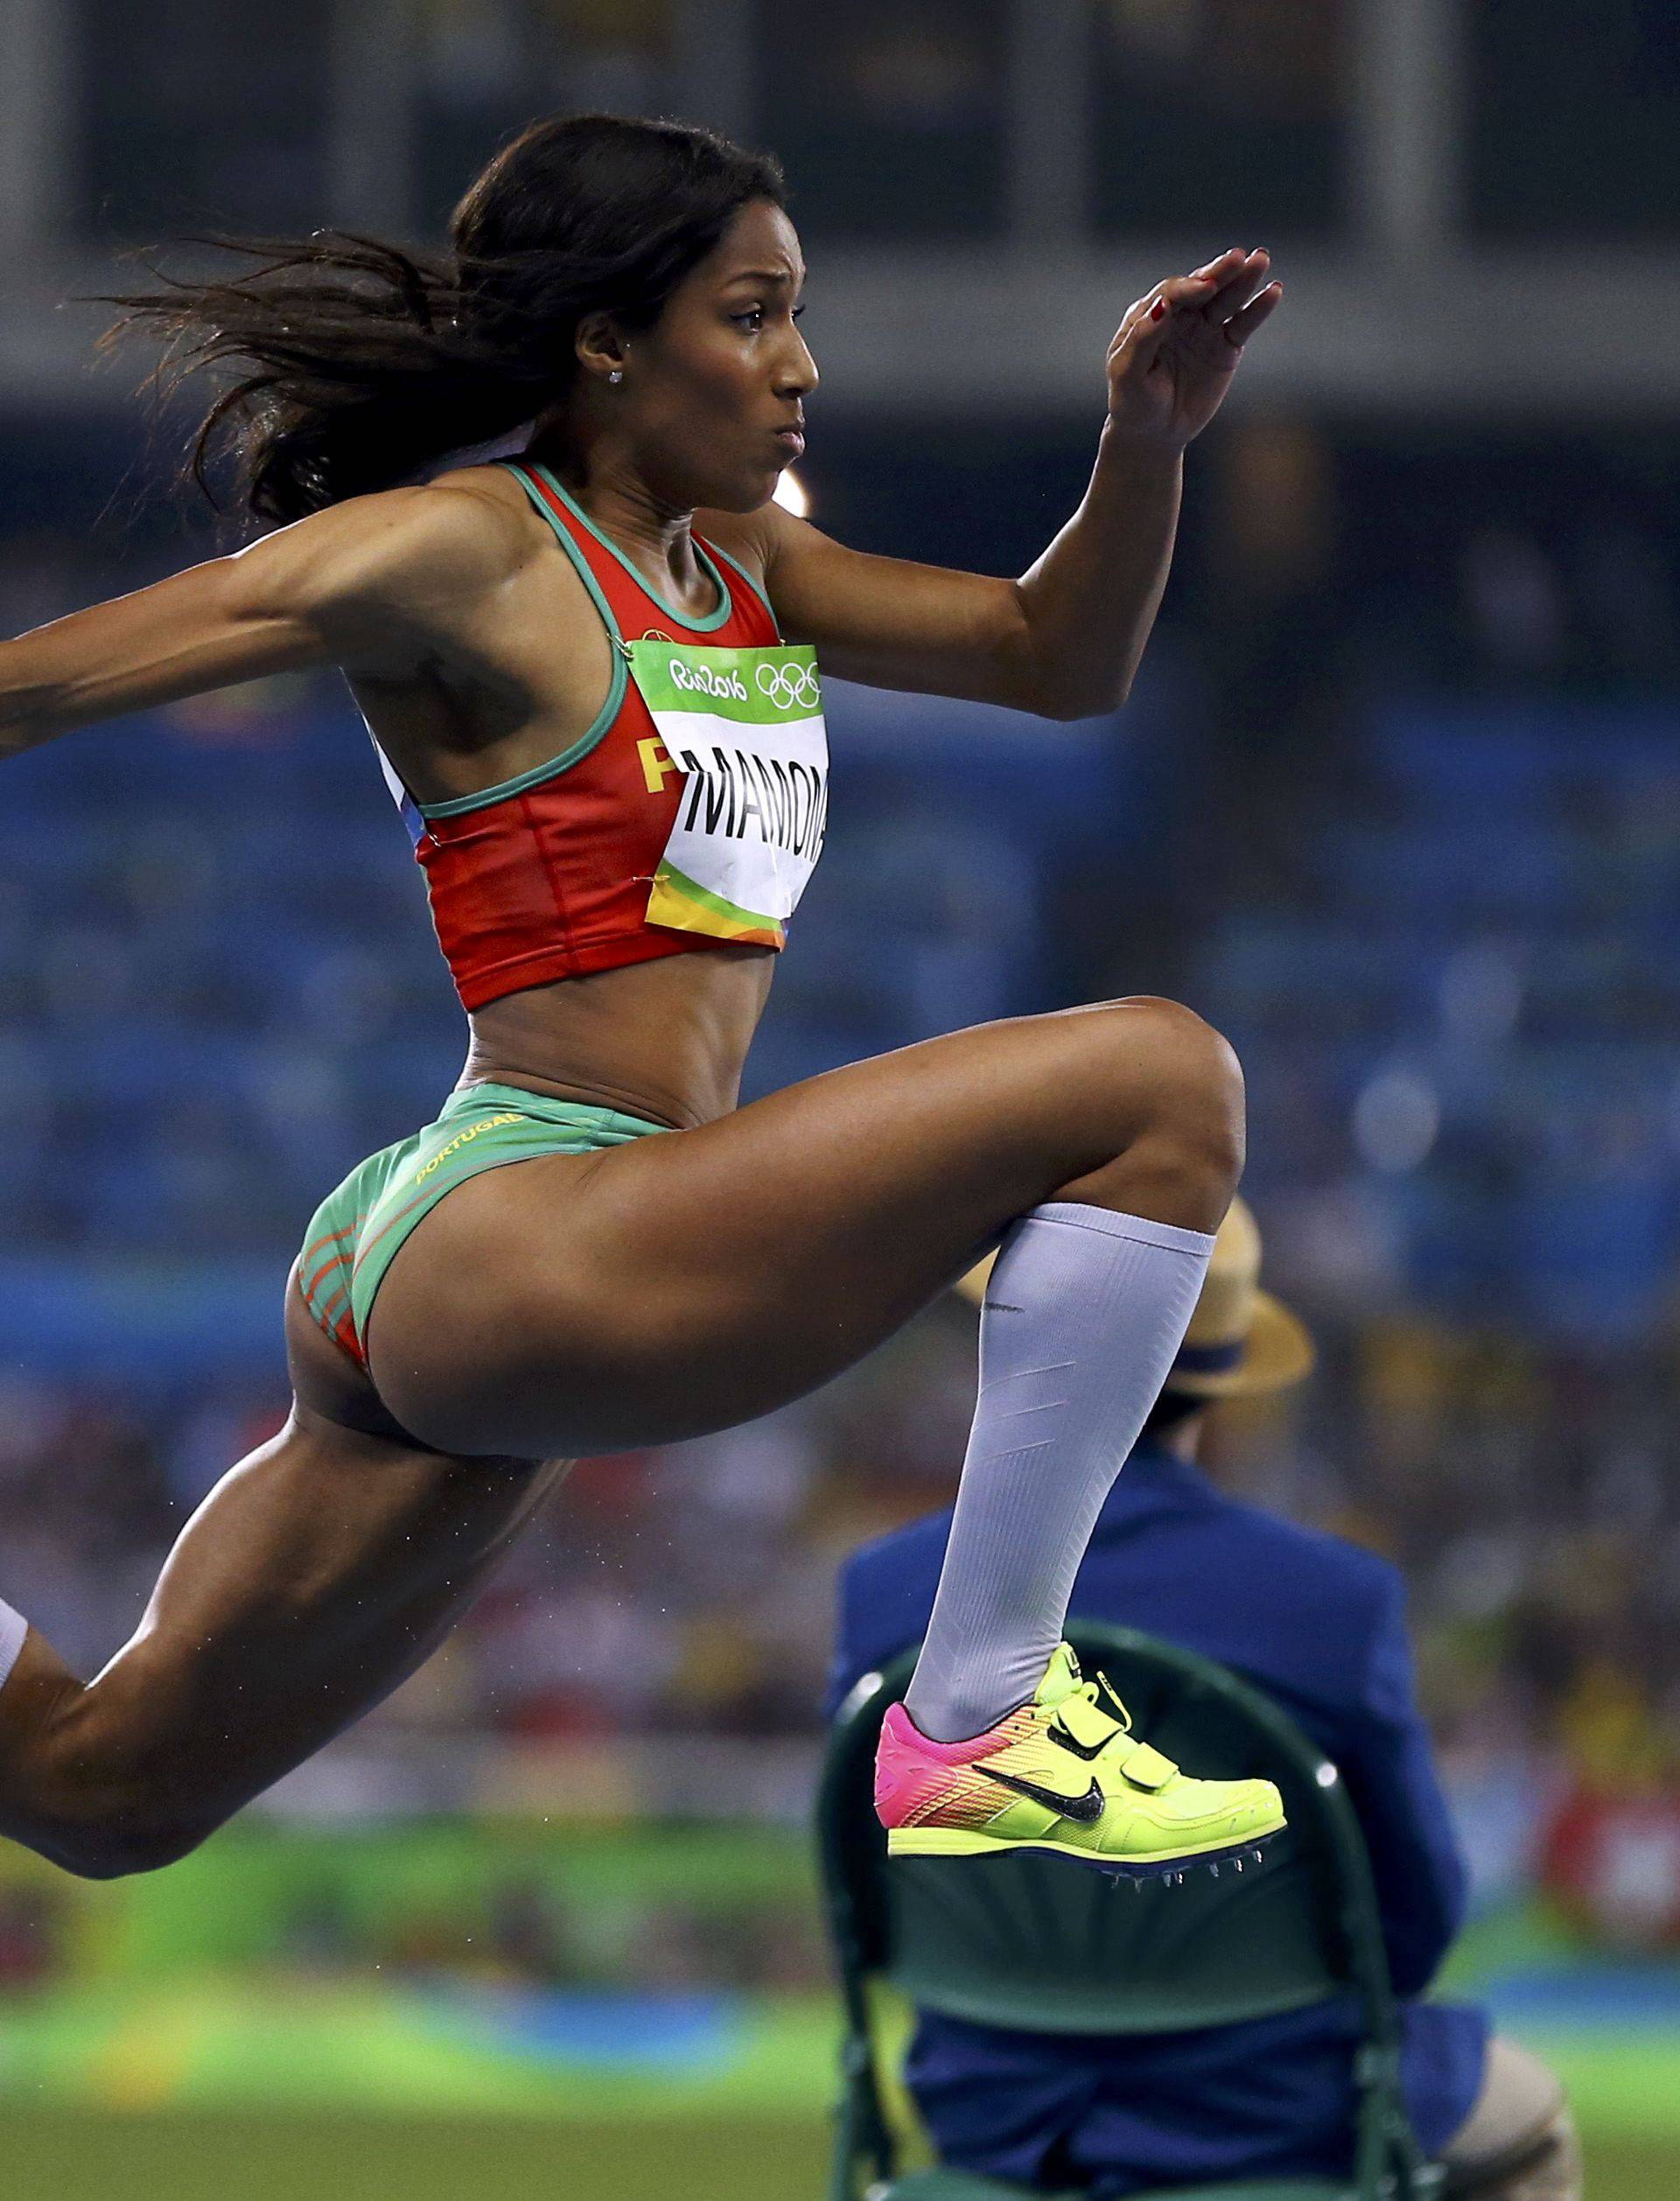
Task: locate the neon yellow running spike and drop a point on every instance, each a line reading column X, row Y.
column 1063, row 1773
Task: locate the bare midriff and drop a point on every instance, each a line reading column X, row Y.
column 665, row 1040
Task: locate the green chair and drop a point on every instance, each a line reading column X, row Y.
column 1034, row 1942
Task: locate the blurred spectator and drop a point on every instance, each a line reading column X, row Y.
column 1319, row 1628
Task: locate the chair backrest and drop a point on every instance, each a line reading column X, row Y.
column 1028, row 1940
column 1031, row 1941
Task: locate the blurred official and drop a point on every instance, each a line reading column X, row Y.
column 1319, row 1626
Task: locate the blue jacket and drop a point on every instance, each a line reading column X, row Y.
column 1320, row 1625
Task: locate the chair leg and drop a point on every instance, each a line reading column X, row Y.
column 863, row 2140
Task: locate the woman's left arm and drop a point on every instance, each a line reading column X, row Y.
column 1065, row 640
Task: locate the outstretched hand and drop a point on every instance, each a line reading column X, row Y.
column 1171, row 361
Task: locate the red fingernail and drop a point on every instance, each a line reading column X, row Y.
column 1157, row 311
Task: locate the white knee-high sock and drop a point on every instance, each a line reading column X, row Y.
column 13, row 1628
column 1083, row 1315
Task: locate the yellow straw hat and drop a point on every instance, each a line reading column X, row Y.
column 1240, row 1341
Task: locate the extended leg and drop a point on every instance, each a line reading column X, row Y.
column 315, row 1577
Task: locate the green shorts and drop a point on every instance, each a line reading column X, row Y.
column 356, row 1230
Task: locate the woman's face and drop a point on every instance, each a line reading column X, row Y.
column 711, row 391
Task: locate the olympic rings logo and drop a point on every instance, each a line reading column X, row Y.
column 786, row 685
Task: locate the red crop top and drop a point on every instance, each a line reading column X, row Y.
column 547, row 875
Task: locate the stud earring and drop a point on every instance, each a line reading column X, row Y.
column 617, row 375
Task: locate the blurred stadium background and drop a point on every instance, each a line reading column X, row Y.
column 1397, row 803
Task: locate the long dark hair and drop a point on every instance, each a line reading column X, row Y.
column 361, row 362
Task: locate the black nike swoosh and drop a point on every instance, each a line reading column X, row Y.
column 1086, row 1809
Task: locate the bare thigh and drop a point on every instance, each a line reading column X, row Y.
column 696, row 1279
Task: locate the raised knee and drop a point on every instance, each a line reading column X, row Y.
column 1192, row 1095
column 1186, row 1045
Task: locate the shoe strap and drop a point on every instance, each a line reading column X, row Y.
column 1086, row 1720
column 1093, row 1727
column 1143, row 1766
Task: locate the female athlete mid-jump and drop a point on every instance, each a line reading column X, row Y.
column 591, row 673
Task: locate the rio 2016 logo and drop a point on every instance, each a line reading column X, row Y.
column 701, row 680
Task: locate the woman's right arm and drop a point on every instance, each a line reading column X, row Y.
column 375, row 585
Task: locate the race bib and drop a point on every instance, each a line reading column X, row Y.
column 744, row 730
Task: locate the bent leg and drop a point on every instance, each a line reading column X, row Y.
column 690, row 1282
column 314, row 1578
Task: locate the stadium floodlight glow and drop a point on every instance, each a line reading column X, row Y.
column 790, row 493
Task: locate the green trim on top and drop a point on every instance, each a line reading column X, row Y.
column 769, row 607
column 695, row 626
column 460, row 804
